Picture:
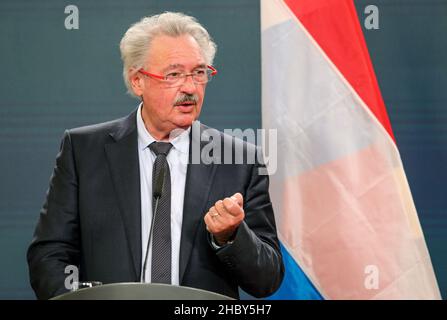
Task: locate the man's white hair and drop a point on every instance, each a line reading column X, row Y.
column 136, row 42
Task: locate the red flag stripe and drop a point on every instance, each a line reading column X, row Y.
column 335, row 27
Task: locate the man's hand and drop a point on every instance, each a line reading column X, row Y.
column 224, row 217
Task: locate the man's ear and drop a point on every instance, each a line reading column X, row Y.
column 136, row 80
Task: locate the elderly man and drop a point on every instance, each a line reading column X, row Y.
column 127, row 204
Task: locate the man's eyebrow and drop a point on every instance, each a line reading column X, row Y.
column 173, row 66
column 181, row 66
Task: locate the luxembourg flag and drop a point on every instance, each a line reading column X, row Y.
column 344, row 211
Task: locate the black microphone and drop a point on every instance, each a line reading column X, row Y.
column 156, row 195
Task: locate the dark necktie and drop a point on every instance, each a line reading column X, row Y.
column 161, row 239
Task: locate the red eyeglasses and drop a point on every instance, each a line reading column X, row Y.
column 176, row 78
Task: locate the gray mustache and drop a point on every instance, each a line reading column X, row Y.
column 186, row 98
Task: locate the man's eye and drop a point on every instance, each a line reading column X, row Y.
column 200, row 72
column 173, row 75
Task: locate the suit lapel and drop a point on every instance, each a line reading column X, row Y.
column 199, row 179
column 122, row 157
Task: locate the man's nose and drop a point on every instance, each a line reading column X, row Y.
column 188, row 86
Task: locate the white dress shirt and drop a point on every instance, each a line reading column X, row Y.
column 177, row 160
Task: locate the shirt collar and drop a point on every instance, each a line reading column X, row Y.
column 180, row 142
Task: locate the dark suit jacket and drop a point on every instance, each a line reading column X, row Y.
column 92, row 218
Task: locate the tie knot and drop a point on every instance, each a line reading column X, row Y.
column 160, row 148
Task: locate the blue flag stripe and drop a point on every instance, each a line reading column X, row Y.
column 296, row 285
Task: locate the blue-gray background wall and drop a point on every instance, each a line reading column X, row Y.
column 53, row 79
